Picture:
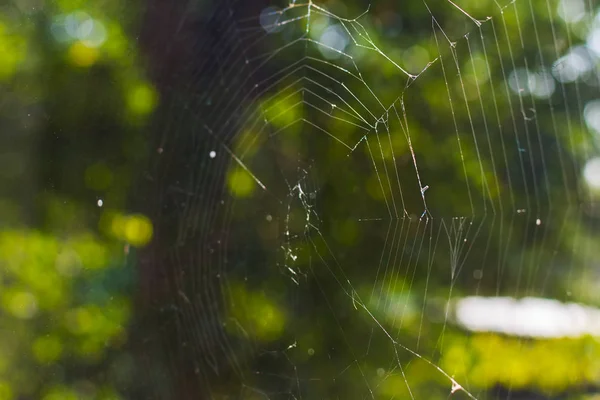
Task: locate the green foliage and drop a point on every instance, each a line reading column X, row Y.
column 74, row 100
column 57, row 309
column 550, row 366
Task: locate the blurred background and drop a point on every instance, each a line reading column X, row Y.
column 331, row 200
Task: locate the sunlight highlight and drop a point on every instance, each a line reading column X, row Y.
column 591, row 173
column 529, row 317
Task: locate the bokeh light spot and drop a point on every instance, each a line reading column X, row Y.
column 591, row 112
column 334, row 41
column 591, row 173
column 22, row 304
column 573, row 65
column 240, row 183
column 142, row 99
column 81, row 55
column 571, row 10
column 12, row 48
column 415, row 59
column 270, row 18
column 47, row 349
column 259, row 315
column 138, row 230
column 521, row 81
column 477, row 70
column 135, row 229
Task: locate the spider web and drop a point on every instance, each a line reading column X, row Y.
column 341, row 192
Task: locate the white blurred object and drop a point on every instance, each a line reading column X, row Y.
column 530, row 316
column 591, row 173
